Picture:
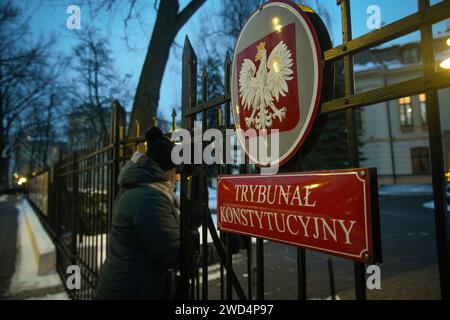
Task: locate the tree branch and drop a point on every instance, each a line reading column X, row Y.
column 187, row 12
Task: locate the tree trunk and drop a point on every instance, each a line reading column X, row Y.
column 168, row 23
column 147, row 94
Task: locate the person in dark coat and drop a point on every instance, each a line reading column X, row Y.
column 145, row 234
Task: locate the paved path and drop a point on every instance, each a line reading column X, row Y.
column 8, row 241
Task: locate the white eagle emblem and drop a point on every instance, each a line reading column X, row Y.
column 259, row 88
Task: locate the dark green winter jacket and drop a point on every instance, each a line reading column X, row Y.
column 145, row 236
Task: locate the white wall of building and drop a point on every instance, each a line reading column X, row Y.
column 375, row 130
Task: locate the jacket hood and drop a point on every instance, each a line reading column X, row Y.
column 141, row 169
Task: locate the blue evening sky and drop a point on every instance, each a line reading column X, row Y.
column 49, row 17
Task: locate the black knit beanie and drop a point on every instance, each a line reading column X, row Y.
column 159, row 148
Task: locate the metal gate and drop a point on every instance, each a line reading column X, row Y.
column 194, row 191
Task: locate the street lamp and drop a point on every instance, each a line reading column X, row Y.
column 445, row 64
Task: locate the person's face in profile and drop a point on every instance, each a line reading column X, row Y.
column 172, row 175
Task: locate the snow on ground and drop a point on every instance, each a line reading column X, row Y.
column 336, row 297
column 97, row 243
column 26, row 277
column 56, row 296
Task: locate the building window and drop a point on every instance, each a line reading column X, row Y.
column 420, row 160
column 423, row 108
column 406, row 115
column 410, row 56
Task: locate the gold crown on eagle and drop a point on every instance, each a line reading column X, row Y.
column 261, row 46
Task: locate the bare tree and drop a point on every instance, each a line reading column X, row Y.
column 95, row 86
column 169, row 20
column 234, row 14
column 25, row 78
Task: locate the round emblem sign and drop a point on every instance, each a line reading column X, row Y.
column 276, row 82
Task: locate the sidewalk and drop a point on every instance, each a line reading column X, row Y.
column 418, row 284
column 280, row 273
column 21, row 276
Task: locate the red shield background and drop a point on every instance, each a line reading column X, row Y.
column 291, row 100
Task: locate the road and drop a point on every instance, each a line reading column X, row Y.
column 409, row 259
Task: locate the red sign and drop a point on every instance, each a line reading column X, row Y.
column 334, row 212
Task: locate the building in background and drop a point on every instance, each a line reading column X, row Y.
column 394, row 134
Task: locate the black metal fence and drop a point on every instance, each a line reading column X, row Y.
column 219, row 107
column 82, row 185
column 75, row 199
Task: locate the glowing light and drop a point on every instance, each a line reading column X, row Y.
column 276, row 24
column 445, row 64
column 276, row 65
column 422, row 97
column 16, row 176
column 22, row 180
column 448, row 42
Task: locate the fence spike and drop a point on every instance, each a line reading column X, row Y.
column 189, row 55
column 174, row 121
column 227, row 58
column 138, row 129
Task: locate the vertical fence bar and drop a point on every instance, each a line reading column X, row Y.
column 74, row 210
column 118, row 122
column 301, row 274
column 229, row 258
column 205, row 194
column 331, row 278
column 188, row 100
column 301, row 253
column 437, row 165
column 259, row 264
column 259, row 269
column 249, row 268
column 103, row 200
column 98, row 164
column 91, row 171
column 352, row 134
